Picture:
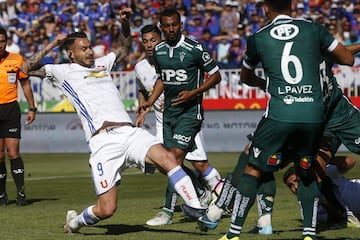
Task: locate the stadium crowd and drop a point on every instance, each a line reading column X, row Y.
column 222, row 25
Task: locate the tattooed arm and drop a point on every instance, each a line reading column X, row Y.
column 124, row 42
column 31, row 65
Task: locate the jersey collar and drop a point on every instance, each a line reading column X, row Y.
column 281, row 16
column 179, row 43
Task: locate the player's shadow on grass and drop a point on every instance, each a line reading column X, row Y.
column 34, row 200
column 118, row 229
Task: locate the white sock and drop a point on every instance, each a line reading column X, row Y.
column 212, row 176
column 181, row 182
column 214, row 213
column 87, row 217
column 264, row 220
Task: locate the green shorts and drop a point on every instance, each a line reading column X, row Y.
column 343, row 127
column 180, row 133
column 273, row 138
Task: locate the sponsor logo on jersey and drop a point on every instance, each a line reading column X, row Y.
column 284, row 31
column 206, row 57
column 179, row 75
column 357, row 141
column 256, row 151
column 305, row 163
column 275, row 159
column 291, row 99
column 96, row 74
column 181, row 139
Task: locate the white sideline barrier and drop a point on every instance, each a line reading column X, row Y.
column 224, row 131
column 230, row 87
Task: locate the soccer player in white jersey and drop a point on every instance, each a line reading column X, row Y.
column 113, row 142
column 146, row 77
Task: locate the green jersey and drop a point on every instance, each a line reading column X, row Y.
column 182, row 68
column 291, row 64
column 339, row 107
column 342, row 123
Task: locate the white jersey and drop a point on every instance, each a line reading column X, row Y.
column 146, row 73
column 91, row 91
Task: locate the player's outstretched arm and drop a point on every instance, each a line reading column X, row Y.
column 125, row 39
column 31, row 65
column 353, row 48
column 248, row 77
column 157, row 90
column 186, row 96
column 343, row 55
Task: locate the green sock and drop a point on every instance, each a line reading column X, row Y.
column 308, row 197
column 266, row 194
column 225, row 199
column 239, row 169
column 170, row 200
column 244, row 199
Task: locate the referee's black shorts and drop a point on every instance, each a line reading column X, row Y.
column 10, row 120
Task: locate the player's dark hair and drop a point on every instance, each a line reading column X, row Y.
column 150, row 28
column 70, row 39
column 279, row 6
column 168, row 12
column 288, row 173
column 3, row 32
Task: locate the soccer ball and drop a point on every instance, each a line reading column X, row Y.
column 215, row 193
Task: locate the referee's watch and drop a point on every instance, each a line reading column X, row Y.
column 34, row 109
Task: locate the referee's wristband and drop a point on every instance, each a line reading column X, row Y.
column 33, row 109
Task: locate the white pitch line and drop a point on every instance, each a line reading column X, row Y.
column 27, row 178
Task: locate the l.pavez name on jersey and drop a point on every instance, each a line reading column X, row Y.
column 303, row 90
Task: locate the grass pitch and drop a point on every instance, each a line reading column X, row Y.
column 56, row 183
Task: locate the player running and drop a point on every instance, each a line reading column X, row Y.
column 181, row 64
column 114, row 144
column 146, row 77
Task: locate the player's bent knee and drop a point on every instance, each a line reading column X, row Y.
column 170, row 162
column 107, row 211
column 163, row 159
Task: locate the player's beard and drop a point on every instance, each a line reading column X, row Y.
column 173, row 39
